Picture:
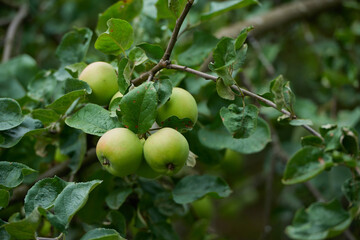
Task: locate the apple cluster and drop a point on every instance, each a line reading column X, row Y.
column 120, row 151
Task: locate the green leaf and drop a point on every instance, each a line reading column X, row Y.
column 92, row 119
column 219, row 138
column 75, row 69
column 12, row 136
column 240, row 57
column 351, row 190
column 224, row 56
column 102, row 234
column 114, row 107
column 152, row 51
column 116, row 198
column 124, row 76
column 181, row 125
column 62, row 104
column 223, row 90
column 176, row 6
column 118, row 38
column 240, row 40
column 73, row 84
column 300, row 122
column 15, row 75
column 4, row 198
column 75, row 89
column 218, row 8
column 192, row 188
column 43, row 87
column 138, row 108
column 324, row 129
column 332, row 139
column 12, row 174
column 46, row 116
column 311, row 141
column 24, row 229
column 166, row 205
column 283, row 96
column 341, row 157
column 3, row 234
column 137, row 56
column 73, row 144
column 240, row 122
column 319, row 221
column 11, row 114
column 69, row 202
column 307, row 163
column 164, row 12
column 123, row 9
column 118, row 222
column 164, row 90
column 164, row 230
column 199, row 50
column 350, row 141
column 43, row 194
column 74, row 46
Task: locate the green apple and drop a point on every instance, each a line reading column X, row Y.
column 203, row 208
column 120, row 151
column 102, row 79
column 181, row 104
column 116, row 95
column 45, row 230
column 166, row 151
column 232, row 162
column 59, row 157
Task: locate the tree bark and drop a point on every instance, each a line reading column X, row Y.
column 279, row 16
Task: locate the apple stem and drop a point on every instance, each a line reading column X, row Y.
column 170, row 166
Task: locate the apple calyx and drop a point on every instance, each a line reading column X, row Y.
column 106, row 161
column 170, row 167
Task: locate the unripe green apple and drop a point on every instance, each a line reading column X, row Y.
column 102, row 79
column 166, row 151
column 232, row 162
column 45, row 230
column 203, row 208
column 116, row 95
column 181, row 104
column 59, row 157
column 119, row 150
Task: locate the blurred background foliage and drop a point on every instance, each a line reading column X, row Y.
column 319, row 55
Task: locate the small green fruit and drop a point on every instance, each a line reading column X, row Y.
column 232, row 162
column 59, row 157
column 45, row 230
column 203, row 208
column 166, row 151
column 181, row 104
column 119, row 150
column 102, row 79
